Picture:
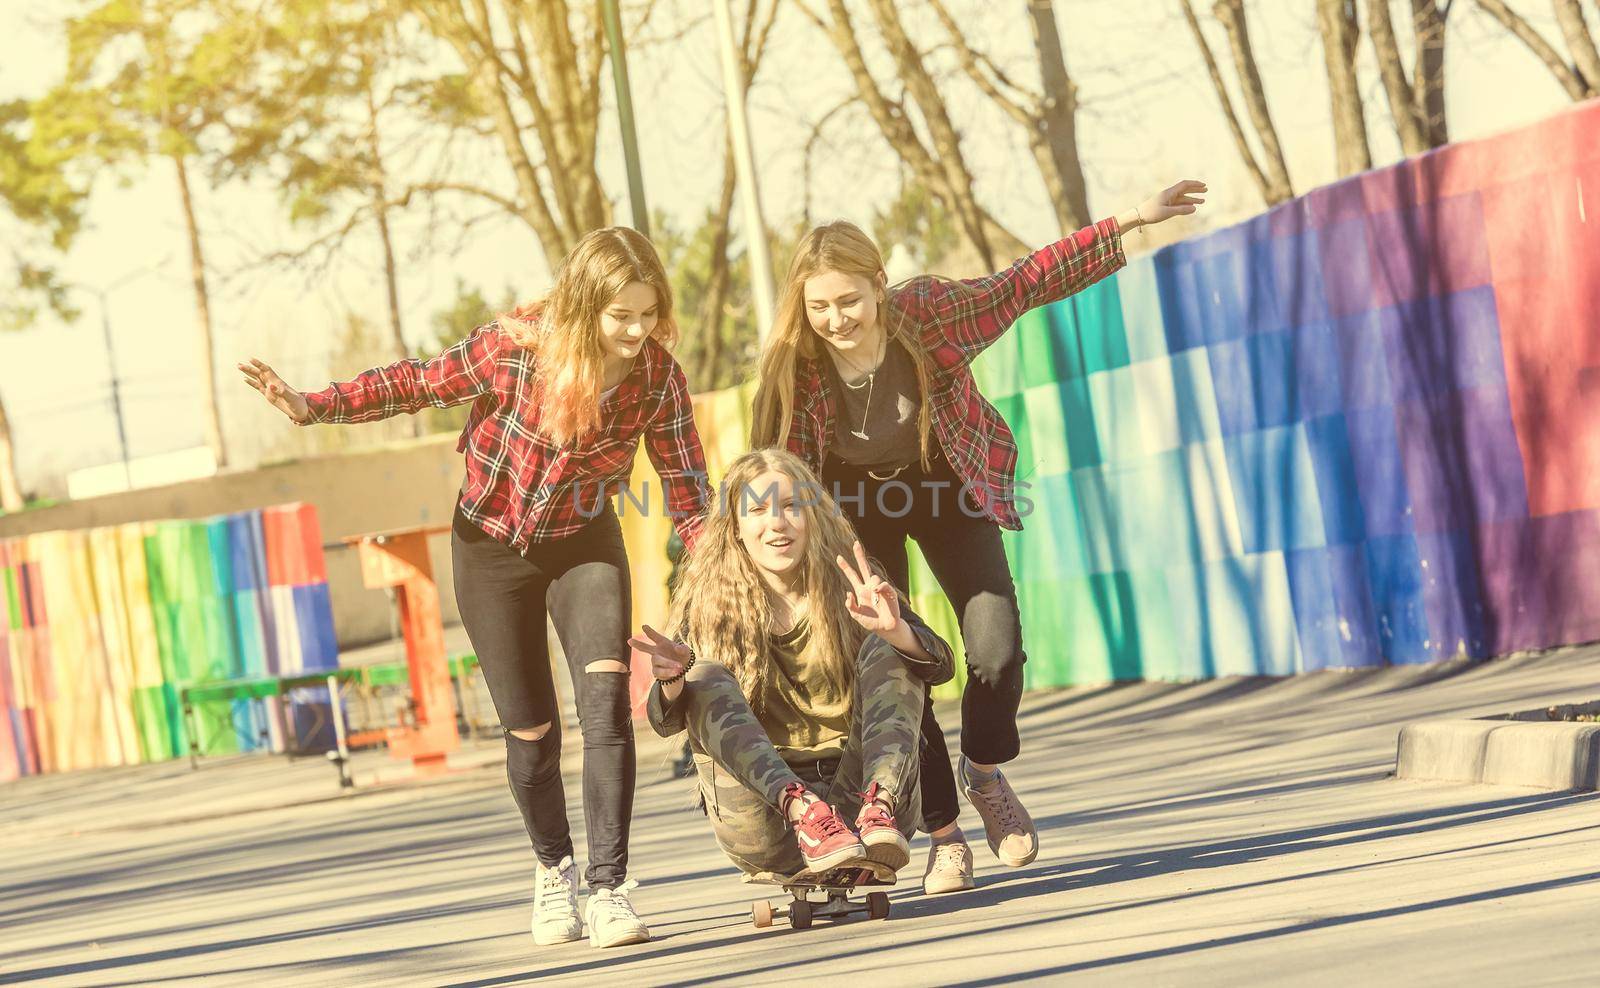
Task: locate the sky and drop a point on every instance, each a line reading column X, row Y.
column 1149, row 118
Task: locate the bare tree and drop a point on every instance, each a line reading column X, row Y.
column 318, row 119
column 41, row 208
column 202, row 302
column 937, row 162
column 1416, row 102
column 1579, row 41
column 379, row 198
column 148, row 81
column 533, row 70
column 1581, row 77
column 1428, row 24
column 1336, row 20
column 10, row 487
column 1047, row 116
column 1270, row 171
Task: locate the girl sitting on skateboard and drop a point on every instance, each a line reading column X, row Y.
column 799, row 675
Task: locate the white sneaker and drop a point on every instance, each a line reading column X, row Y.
column 1012, row 836
column 555, row 904
column 611, row 919
column 949, row 868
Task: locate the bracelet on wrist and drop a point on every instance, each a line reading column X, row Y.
column 687, row 666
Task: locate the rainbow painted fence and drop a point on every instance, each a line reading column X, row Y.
column 1362, row 428
column 99, row 629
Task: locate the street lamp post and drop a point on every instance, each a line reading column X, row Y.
column 103, row 297
column 630, row 137
column 116, row 387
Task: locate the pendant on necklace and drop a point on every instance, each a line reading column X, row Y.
column 859, row 434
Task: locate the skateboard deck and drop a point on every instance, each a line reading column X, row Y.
column 846, row 877
column 836, row 883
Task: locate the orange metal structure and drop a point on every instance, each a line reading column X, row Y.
column 400, row 559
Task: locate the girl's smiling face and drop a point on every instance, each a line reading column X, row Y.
column 843, row 309
column 772, row 524
column 628, row 320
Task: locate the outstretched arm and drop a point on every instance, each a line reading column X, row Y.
column 972, row 313
column 457, row 375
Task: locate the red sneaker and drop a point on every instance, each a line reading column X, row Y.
column 883, row 840
column 826, row 842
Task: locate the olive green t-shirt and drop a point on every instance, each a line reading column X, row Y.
column 802, row 711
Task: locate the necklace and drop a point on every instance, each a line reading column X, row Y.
column 872, row 380
column 866, row 411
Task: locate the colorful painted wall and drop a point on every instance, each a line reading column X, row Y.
column 354, row 491
column 1360, row 429
column 101, row 628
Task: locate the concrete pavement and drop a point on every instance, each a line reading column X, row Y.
column 1227, row 832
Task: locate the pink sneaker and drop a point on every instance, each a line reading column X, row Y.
column 826, row 842
column 883, row 840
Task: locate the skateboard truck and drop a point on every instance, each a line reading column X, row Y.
column 836, row 885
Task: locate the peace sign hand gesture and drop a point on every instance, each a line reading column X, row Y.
column 282, row 397
column 871, row 600
column 668, row 659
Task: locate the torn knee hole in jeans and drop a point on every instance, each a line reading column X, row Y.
column 607, row 665
column 536, row 733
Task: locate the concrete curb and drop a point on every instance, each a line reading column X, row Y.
column 1501, row 752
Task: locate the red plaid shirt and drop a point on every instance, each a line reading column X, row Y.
column 520, row 487
column 958, row 321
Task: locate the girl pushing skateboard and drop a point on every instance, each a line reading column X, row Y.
column 927, row 457
column 563, row 392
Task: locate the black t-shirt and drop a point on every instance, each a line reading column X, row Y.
column 882, row 432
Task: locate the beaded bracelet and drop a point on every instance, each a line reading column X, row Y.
column 687, row 666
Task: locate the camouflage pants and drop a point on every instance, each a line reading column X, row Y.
column 742, row 776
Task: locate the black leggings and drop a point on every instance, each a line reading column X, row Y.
column 503, row 596
column 964, row 550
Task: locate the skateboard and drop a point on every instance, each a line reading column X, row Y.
column 836, row 884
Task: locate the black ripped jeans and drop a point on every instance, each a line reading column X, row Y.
column 582, row 582
column 963, row 548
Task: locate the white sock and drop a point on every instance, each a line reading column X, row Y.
column 977, row 778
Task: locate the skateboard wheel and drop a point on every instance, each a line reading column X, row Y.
column 800, row 915
column 878, row 905
column 761, row 914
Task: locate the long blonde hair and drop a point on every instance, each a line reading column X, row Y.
column 563, row 328
column 722, row 606
column 838, row 246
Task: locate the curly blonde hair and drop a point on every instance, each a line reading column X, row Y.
column 722, row 606
column 563, row 327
